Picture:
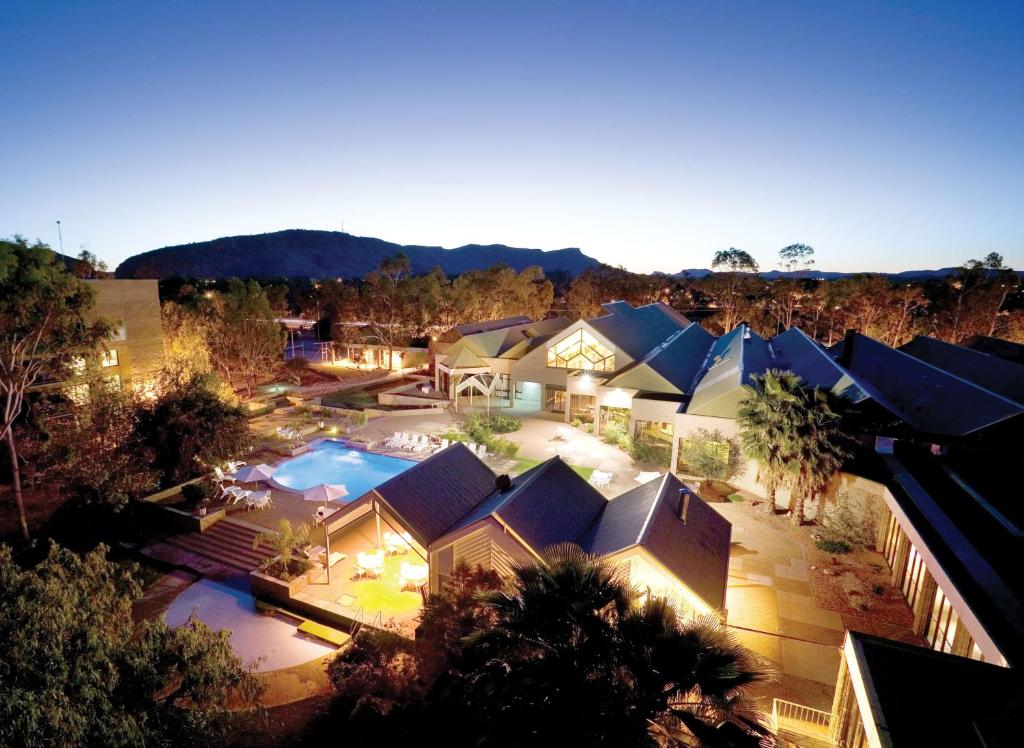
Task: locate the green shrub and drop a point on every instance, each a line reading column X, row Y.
column 502, row 446
column 196, row 494
column 833, row 546
column 655, row 454
column 502, row 424
column 615, row 433
column 735, row 497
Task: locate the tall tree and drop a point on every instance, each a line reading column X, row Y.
column 765, row 418
column 245, row 340
column 573, row 656
column 732, row 284
column 389, row 301
column 78, row 670
column 44, row 328
column 796, row 258
column 796, row 435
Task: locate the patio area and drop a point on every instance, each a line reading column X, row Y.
column 378, row 601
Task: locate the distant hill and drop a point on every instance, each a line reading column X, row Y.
column 298, row 253
column 906, row 275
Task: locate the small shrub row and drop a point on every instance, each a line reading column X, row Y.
column 833, row 546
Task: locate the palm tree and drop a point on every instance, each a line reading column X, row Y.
column 795, row 434
column 819, row 448
column 574, row 656
column 767, row 415
column 285, row 540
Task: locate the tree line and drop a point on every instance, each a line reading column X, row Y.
column 983, row 297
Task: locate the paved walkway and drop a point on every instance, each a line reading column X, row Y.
column 282, row 686
column 772, row 611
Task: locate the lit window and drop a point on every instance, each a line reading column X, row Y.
column 109, row 358
column 120, row 333
column 942, row 624
column 581, row 350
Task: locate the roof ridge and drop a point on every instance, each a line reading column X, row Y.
column 650, row 512
column 969, row 383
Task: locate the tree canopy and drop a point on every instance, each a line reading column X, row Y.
column 77, row 670
column 44, row 329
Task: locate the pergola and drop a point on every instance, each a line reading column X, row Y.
column 466, row 371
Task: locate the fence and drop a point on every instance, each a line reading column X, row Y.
column 797, row 718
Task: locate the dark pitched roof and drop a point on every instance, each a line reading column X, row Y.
column 1004, row 349
column 472, row 328
column 682, row 357
column 908, row 686
column 550, row 503
column 994, row 374
column 923, row 396
column 638, row 330
column 731, row 361
column 794, row 350
column 695, row 551
column 976, row 539
column 435, row 494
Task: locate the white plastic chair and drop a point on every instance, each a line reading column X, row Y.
column 481, row 451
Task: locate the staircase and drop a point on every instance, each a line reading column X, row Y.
column 228, row 542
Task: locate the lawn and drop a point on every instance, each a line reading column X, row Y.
column 523, row 464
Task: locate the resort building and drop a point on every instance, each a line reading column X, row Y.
column 134, row 352
column 893, row 695
column 453, row 510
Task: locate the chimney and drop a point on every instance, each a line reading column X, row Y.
column 684, row 504
column 502, row 483
column 848, row 340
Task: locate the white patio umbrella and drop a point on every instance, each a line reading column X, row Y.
column 646, row 477
column 254, row 473
column 324, row 492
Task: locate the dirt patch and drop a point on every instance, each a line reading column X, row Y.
column 857, row 586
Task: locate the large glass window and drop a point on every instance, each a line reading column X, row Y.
column 942, row 624
column 913, row 577
column 581, row 350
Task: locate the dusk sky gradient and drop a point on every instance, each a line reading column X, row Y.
column 888, row 136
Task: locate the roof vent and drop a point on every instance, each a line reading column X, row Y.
column 684, row 504
column 503, row 483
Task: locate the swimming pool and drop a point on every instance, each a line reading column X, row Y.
column 335, row 463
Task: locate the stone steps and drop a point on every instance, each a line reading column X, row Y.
column 227, row 542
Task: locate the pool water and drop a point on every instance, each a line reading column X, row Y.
column 254, row 635
column 337, row 464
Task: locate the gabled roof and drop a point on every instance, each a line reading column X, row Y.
column 795, row 351
column 637, row 331
column 923, row 396
column 464, row 358
column 472, row 328
column 695, row 551
column 548, row 504
column 432, row 496
column 1004, row 349
column 676, row 361
column 731, row 361
column 505, row 338
column 994, row 374
column 907, row 687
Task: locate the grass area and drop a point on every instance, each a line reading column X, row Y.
column 523, row 464
column 736, row 498
column 348, row 399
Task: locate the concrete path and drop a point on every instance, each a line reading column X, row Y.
column 772, row 611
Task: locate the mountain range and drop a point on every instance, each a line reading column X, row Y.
column 300, row 253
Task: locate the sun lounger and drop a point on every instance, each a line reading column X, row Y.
column 423, row 446
column 221, row 476
column 395, row 440
column 443, row 445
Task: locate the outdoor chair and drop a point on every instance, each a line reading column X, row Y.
column 234, row 465
column 221, row 476
column 414, row 440
column 423, row 446
column 370, row 564
column 410, row 576
column 443, row 445
column 481, row 451
column 395, row 440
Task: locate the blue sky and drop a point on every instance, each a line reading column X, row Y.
column 888, row 136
